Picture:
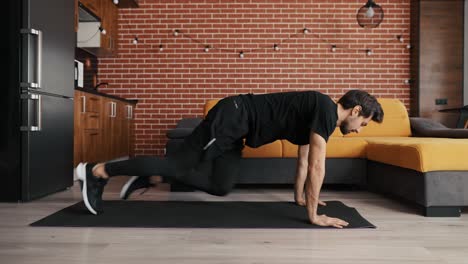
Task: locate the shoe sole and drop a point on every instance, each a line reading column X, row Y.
column 80, row 172
column 126, row 186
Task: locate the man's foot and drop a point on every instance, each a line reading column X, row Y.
column 91, row 187
column 135, row 183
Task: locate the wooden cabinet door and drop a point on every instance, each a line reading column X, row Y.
column 109, row 23
column 107, row 124
column 87, row 119
column 125, row 123
column 92, row 146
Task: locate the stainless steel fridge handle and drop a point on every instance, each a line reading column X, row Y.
column 39, row 58
column 38, row 112
column 38, row 83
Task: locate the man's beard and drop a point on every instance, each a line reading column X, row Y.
column 344, row 128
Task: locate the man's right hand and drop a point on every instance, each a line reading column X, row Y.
column 323, row 220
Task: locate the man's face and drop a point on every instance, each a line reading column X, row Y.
column 354, row 122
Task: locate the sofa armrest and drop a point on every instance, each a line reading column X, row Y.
column 191, row 122
column 179, row 132
column 425, row 127
column 184, row 128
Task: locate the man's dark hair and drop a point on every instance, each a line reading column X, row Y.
column 370, row 106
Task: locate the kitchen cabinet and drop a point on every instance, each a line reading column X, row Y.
column 109, row 23
column 100, row 13
column 103, row 128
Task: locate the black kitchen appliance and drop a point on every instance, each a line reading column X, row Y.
column 36, row 140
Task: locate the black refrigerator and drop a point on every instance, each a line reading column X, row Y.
column 36, row 140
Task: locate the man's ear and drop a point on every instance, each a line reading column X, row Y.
column 356, row 110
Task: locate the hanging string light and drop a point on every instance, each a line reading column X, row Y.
column 276, row 46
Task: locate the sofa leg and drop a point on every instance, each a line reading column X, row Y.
column 442, row 211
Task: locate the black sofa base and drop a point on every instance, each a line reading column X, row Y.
column 442, row 211
column 437, row 193
column 282, row 171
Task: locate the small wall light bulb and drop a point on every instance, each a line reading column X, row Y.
column 370, row 12
column 103, row 31
column 241, row 54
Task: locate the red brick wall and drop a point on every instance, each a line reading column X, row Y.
column 176, row 82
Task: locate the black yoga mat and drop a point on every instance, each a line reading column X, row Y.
column 190, row 214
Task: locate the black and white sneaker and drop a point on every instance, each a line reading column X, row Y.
column 91, row 187
column 135, row 183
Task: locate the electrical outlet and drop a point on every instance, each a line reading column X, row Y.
column 441, row 101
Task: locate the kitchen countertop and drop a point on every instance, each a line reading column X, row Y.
column 93, row 91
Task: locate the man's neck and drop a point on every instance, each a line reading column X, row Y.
column 342, row 114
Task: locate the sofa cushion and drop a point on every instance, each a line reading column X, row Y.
column 272, row 150
column 208, row 105
column 395, row 124
column 336, row 148
column 420, row 154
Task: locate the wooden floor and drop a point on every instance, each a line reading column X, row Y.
column 402, row 235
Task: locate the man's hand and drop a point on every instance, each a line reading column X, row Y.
column 323, row 220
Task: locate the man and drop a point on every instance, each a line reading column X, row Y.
column 209, row 157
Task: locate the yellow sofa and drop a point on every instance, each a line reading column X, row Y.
column 387, row 158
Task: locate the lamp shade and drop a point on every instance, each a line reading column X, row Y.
column 370, row 15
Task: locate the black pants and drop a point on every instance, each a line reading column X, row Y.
column 208, row 159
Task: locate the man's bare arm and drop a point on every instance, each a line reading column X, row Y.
column 315, row 175
column 301, row 175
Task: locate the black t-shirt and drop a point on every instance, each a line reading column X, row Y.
column 289, row 115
